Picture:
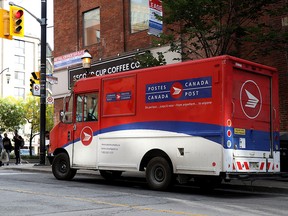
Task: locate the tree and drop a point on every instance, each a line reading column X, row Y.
column 206, row 28
column 11, row 113
column 148, row 60
column 32, row 116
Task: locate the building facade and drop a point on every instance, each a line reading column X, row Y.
column 111, row 30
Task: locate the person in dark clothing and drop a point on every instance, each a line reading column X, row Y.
column 1, row 149
column 7, row 146
column 18, row 143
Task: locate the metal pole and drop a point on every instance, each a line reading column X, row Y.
column 43, row 82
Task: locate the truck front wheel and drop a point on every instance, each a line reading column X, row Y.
column 61, row 167
column 159, row 174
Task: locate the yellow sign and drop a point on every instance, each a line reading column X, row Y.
column 239, row 131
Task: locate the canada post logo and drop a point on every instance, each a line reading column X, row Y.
column 251, row 99
column 86, row 136
column 187, row 89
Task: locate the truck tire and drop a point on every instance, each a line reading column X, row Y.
column 61, row 167
column 159, row 174
column 110, row 175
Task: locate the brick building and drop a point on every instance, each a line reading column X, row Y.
column 111, row 31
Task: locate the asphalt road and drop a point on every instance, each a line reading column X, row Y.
column 26, row 190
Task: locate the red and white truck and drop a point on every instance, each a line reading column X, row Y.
column 209, row 120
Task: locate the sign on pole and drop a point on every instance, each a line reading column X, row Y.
column 36, row 90
column 49, row 100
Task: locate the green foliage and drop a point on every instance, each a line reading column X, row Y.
column 205, row 28
column 49, row 117
column 11, row 113
column 148, row 60
column 32, row 114
column 17, row 112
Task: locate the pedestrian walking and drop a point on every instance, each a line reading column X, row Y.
column 7, row 146
column 18, row 143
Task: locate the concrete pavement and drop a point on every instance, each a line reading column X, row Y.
column 275, row 185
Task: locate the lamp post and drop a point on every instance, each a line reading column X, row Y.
column 8, row 75
column 86, row 61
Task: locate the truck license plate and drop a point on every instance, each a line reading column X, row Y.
column 254, row 165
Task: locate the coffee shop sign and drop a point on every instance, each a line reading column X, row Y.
column 104, row 68
column 110, row 70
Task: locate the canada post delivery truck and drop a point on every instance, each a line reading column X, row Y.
column 209, row 120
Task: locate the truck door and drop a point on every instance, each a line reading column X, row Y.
column 251, row 115
column 85, row 130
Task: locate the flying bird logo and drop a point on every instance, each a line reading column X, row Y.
column 176, row 91
column 252, row 101
column 87, row 136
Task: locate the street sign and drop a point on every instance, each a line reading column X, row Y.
column 36, row 90
column 51, row 79
column 49, row 100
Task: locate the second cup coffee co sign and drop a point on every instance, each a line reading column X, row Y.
column 120, row 64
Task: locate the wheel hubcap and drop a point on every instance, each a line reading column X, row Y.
column 63, row 168
column 159, row 174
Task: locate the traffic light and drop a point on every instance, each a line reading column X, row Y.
column 34, row 79
column 5, row 24
column 16, row 21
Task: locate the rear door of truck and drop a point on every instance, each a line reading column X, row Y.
column 252, row 119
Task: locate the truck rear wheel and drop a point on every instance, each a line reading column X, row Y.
column 61, row 167
column 159, row 174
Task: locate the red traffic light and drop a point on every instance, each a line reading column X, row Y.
column 18, row 14
column 16, row 21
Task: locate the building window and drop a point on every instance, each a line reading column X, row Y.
column 19, row 47
column 19, row 78
column 139, row 15
column 91, row 25
column 19, row 62
column 19, row 92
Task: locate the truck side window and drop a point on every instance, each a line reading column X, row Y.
column 87, row 107
column 67, row 118
column 79, row 108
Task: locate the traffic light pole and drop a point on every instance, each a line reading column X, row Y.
column 43, row 82
column 43, row 23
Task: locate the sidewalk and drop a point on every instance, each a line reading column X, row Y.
column 275, row 185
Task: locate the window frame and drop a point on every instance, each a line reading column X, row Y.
column 85, row 37
column 84, row 103
column 130, row 19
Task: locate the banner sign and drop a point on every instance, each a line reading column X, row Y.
column 68, row 60
column 155, row 25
